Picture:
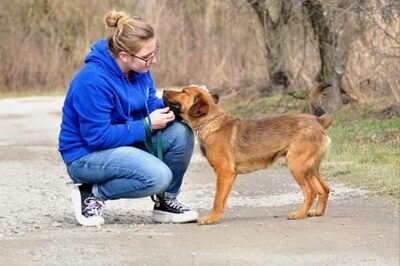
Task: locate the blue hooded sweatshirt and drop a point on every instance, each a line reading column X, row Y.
column 102, row 108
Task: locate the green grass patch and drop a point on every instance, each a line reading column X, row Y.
column 365, row 151
column 365, row 148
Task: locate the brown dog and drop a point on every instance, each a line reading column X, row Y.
column 237, row 146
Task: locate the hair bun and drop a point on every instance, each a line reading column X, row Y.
column 113, row 17
column 126, row 33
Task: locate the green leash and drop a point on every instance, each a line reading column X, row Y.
column 149, row 143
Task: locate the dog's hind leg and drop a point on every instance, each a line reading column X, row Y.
column 301, row 174
column 323, row 194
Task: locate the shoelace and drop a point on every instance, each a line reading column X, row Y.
column 174, row 203
column 94, row 206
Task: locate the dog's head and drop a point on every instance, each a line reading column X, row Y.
column 191, row 103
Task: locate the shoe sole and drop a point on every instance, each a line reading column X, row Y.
column 82, row 220
column 167, row 217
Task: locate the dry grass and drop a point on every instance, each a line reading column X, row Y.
column 217, row 43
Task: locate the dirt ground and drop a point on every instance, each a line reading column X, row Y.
column 37, row 225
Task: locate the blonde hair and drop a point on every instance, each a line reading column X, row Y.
column 127, row 33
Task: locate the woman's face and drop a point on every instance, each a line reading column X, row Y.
column 145, row 58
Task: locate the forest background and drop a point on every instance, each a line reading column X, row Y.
column 231, row 45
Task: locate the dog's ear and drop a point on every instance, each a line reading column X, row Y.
column 199, row 108
column 215, row 97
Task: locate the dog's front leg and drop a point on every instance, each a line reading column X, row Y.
column 225, row 181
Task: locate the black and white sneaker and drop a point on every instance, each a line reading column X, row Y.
column 170, row 210
column 88, row 209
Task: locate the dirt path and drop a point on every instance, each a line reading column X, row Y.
column 37, row 225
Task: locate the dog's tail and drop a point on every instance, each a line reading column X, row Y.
column 316, row 106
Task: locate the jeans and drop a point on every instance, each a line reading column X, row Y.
column 132, row 172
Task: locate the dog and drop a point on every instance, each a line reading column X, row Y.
column 235, row 146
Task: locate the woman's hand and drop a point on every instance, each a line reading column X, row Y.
column 203, row 87
column 161, row 117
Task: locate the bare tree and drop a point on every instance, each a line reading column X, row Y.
column 332, row 27
column 273, row 16
column 326, row 41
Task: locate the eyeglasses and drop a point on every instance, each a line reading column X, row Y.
column 149, row 59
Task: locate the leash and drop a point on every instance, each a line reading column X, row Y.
column 148, row 142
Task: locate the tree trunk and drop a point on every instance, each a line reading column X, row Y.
column 273, row 15
column 326, row 40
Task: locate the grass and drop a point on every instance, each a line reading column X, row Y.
column 365, row 149
column 30, row 93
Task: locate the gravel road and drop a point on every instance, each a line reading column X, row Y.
column 37, row 226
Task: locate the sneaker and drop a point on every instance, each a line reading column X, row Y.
column 168, row 210
column 88, row 209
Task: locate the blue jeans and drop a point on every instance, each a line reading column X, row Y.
column 132, row 172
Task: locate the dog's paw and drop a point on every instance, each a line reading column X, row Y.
column 295, row 215
column 208, row 219
column 313, row 213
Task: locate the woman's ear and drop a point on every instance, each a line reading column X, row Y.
column 123, row 56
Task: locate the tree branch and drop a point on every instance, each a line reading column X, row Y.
column 378, row 25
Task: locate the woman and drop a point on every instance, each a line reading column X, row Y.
column 109, row 104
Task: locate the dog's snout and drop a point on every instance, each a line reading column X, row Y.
column 168, row 99
column 175, row 107
column 167, row 94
